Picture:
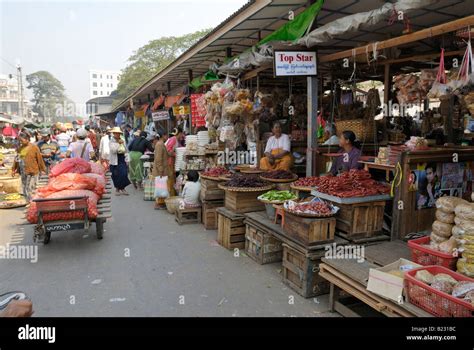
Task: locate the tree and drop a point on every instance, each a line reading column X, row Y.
column 150, row 59
column 48, row 93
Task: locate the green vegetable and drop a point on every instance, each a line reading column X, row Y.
column 278, row 195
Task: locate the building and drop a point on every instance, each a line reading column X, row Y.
column 102, row 82
column 9, row 96
column 99, row 105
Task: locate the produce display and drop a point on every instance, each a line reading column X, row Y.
column 354, row 183
column 277, row 196
column 216, row 172
column 447, row 284
column 11, row 197
column 307, row 181
column 245, row 180
column 278, row 175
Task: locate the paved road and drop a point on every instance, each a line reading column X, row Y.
column 146, row 265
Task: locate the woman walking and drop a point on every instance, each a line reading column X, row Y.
column 137, row 148
column 29, row 164
column 118, row 165
column 161, row 167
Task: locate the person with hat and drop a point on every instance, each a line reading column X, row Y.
column 104, row 148
column 137, row 149
column 48, row 148
column 118, row 164
column 81, row 148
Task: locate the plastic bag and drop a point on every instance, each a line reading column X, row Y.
column 424, row 276
column 68, row 181
column 442, row 286
column 462, row 288
column 465, row 211
column 148, row 190
column 448, row 203
column 466, row 225
column 449, row 246
column 92, row 198
column 437, row 239
column 445, row 277
column 161, row 187
column 444, row 217
column 439, row 87
column 442, row 229
column 71, row 165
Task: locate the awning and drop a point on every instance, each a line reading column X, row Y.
column 158, row 102
column 10, row 131
column 171, row 100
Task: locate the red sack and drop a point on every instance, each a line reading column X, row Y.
column 97, row 168
column 100, row 183
column 71, row 165
column 32, row 214
column 68, row 181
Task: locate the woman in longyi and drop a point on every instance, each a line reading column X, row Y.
column 277, row 152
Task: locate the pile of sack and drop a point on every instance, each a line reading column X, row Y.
column 74, row 177
column 464, row 233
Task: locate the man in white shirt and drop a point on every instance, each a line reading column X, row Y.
column 63, row 140
column 277, row 152
column 330, row 135
column 104, row 148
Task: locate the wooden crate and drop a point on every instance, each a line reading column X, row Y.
column 261, row 246
column 210, row 190
column 301, row 272
column 243, row 202
column 209, row 214
column 361, row 219
column 230, row 229
column 309, row 231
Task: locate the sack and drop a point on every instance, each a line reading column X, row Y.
column 97, row 168
column 466, row 225
column 465, row 211
column 442, row 229
column 149, row 189
column 71, row 165
column 161, row 187
column 68, row 181
column 448, row 204
column 444, row 217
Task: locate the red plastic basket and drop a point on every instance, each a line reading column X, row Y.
column 426, row 256
column 434, row 301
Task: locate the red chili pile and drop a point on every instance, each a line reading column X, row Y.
column 216, row 172
column 355, row 183
column 319, row 208
column 307, row 181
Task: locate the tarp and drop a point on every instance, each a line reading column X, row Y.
column 262, row 52
column 362, row 20
column 200, row 81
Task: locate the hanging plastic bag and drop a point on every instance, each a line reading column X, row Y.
column 439, row 88
column 466, row 70
column 161, row 187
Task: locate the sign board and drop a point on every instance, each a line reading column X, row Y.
column 160, row 115
column 294, row 63
column 181, row 110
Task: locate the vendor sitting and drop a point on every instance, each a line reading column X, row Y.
column 350, row 154
column 277, row 151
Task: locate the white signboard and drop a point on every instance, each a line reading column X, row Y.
column 161, row 115
column 294, row 63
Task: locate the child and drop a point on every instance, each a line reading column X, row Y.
column 192, row 189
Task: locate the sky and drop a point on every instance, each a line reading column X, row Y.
column 68, row 38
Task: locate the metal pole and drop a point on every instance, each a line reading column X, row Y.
column 20, row 91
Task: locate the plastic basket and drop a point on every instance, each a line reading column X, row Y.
column 426, row 256
column 434, row 301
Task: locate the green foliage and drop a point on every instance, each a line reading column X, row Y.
column 150, row 59
column 48, row 93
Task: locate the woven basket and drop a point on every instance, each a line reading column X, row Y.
column 246, row 189
column 279, row 180
column 362, row 128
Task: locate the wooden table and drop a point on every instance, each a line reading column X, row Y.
column 388, row 168
column 352, row 276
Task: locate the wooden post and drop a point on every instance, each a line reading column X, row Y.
column 387, row 87
column 449, row 120
column 149, row 98
column 228, row 52
column 190, row 75
column 312, row 140
column 168, row 85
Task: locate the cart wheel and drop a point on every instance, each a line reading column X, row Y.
column 47, row 237
column 99, row 225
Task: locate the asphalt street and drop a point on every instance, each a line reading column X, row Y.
column 146, row 265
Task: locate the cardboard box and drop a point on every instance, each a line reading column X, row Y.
column 387, row 285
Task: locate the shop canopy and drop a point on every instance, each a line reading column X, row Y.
column 262, row 52
column 209, row 77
